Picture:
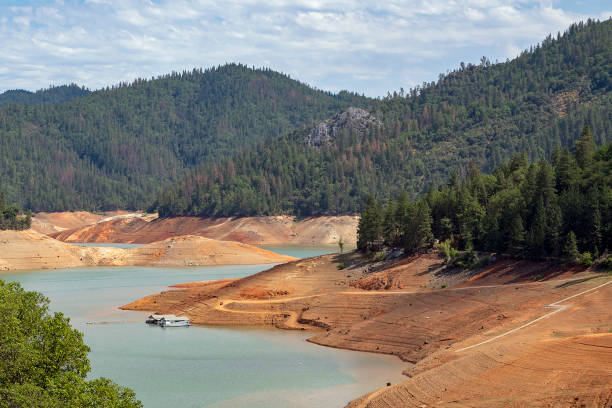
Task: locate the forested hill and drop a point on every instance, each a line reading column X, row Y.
column 560, row 209
column 485, row 113
column 114, row 148
column 54, row 94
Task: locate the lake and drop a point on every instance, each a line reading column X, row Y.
column 203, row 366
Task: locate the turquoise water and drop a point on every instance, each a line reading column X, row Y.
column 301, row 251
column 202, row 366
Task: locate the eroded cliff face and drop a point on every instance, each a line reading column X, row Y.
column 351, row 119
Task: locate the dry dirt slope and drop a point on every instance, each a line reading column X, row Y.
column 52, row 222
column 32, row 250
column 251, row 230
column 567, row 355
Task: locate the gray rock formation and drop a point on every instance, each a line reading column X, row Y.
column 355, row 119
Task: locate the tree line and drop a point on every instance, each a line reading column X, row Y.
column 484, row 113
column 559, row 209
column 10, row 218
column 229, row 140
column 69, row 149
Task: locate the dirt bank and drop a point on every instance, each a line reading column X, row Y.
column 32, row 250
column 427, row 316
column 251, row 230
column 49, row 223
column 190, row 250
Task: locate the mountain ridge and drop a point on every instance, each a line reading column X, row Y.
column 114, row 147
column 482, row 113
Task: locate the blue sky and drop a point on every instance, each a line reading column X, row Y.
column 363, row 46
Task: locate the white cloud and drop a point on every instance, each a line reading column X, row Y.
column 336, row 44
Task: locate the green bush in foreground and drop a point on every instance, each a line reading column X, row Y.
column 43, row 361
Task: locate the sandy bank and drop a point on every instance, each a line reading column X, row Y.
column 32, row 250
column 190, row 250
column 52, row 222
column 251, row 230
column 418, row 320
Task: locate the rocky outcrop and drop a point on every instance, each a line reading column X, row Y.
column 352, row 119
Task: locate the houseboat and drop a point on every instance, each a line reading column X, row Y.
column 174, row 321
column 156, row 318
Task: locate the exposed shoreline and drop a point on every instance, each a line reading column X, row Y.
column 137, row 228
column 391, row 308
column 24, row 250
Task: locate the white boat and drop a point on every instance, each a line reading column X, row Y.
column 156, row 318
column 174, row 321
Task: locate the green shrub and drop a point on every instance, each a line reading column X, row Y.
column 586, row 259
column 448, row 251
column 341, row 265
column 481, row 262
column 606, row 263
column 380, row 255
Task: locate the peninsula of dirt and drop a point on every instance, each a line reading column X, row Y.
column 268, row 230
column 53, row 222
column 32, row 250
column 514, row 333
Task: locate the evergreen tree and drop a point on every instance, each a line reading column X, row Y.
column 9, row 216
column 369, row 229
column 570, row 249
column 584, row 147
column 516, row 237
column 525, row 214
column 417, row 234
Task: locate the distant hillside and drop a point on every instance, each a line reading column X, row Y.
column 483, row 113
column 54, row 94
column 116, row 147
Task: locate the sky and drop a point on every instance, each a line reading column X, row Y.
column 369, row 47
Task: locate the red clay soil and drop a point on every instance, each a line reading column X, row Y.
column 251, row 230
column 565, row 356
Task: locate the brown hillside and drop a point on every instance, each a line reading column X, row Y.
column 251, row 230
column 419, row 321
column 31, row 250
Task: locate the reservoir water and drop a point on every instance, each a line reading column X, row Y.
column 202, row 366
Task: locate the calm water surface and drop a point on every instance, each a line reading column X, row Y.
column 202, row 366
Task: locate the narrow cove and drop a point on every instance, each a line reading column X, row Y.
column 202, row 366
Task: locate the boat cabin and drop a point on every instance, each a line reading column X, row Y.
column 157, row 318
column 174, row 321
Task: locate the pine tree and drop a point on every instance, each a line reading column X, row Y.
column 516, row 236
column 470, row 218
column 570, row 249
column 584, row 147
column 417, row 233
column 390, row 224
column 596, row 236
column 369, row 229
column 536, row 238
